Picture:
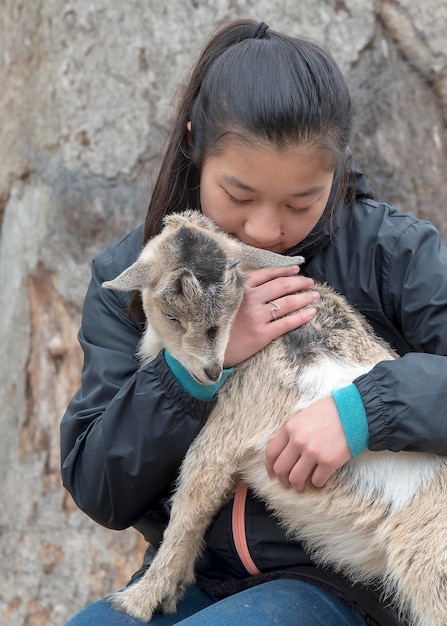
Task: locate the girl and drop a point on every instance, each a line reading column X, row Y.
column 261, row 146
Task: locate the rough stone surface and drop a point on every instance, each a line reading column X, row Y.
column 85, row 103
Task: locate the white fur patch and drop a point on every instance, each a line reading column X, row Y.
column 150, row 345
column 392, row 477
column 317, row 381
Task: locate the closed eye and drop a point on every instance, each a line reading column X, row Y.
column 169, row 316
column 299, row 210
column 235, row 200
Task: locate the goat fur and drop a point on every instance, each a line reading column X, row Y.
column 380, row 517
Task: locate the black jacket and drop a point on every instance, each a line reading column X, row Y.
column 127, row 429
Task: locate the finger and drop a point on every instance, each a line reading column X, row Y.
column 266, row 274
column 321, row 475
column 324, row 471
column 281, row 326
column 285, row 286
column 301, row 473
column 291, row 304
column 275, row 447
column 284, row 464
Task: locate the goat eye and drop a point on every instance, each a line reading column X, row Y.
column 212, row 332
column 169, row 316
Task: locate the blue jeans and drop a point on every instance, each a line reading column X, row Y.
column 286, row 602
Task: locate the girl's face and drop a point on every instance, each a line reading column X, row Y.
column 266, row 197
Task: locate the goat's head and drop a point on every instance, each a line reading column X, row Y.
column 191, row 291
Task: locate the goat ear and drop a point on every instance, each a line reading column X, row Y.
column 187, row 284
column 230, row 271
column 137, row 276
column 254, row 258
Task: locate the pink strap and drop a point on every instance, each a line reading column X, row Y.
column 239, row 536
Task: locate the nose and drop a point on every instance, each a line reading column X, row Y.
column 213, row 373
column 263, row 226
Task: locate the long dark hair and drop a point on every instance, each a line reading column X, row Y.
column 274, row 88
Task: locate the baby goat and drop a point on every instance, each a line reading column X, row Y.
column 381, row 516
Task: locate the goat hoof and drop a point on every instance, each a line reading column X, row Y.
column 129, row 603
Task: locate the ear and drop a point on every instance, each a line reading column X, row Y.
column 137, row 276
column 254, row 258
column 187, row 284
column 189, row 138
column 231, row 271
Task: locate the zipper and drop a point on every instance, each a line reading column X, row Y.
column 239, row 534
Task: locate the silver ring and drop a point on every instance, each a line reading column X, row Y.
column 275, row 308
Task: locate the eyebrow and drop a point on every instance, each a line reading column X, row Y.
column 235, row 182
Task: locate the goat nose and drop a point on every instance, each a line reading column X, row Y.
column 213, row 373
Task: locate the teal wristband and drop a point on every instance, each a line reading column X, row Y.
column 352, row 416
column 189, row 384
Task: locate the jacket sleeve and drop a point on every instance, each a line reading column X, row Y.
column 406, row 400
column 128, row 427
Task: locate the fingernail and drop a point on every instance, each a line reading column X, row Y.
column 315, row 295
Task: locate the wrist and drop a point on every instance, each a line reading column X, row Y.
column 352, row 414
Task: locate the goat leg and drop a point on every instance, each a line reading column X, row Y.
column 205, row 483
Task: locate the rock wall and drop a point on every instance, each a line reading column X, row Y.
column 85, row 102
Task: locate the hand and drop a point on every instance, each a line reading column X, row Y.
column 311, row 446
column 254, row 326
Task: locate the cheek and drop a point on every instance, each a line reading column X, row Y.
column 298, row 228
column 210, row 209
column 220, row 217
column 213, row 208
column 207, row 200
